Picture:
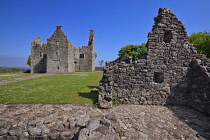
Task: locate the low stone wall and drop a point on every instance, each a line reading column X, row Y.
column 132, row 83
column 99, row 68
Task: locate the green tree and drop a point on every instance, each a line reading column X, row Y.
column 29, row 60
column 100, row 62
column 134, row 51
column 201, row 42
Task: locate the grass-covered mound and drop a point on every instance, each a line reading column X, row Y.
column 53, row 89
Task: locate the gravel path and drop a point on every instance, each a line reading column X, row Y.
column 23, row 78
column 86, row 122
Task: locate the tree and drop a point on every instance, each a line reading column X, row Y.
column 100, row 62
column 201, row 42
column 134, row 51
column 29, row 60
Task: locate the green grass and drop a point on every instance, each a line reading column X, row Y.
column 9, row 76
column 53, row 89
column 11, row 70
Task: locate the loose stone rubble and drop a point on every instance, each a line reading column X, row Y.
column 86, row 122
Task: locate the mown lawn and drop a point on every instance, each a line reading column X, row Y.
column 53, row 89
column 9, row 76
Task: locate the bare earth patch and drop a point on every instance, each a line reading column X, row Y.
column 130, row 122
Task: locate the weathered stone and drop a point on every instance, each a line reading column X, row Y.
column 25, row 134
column 93, row 124
column 35, row 131
column 59, row 55
column 82, row 122
column 3, row 131
column 166, row 89
column 105, row 122
column 122, row 125
column 35, row 122
column 54, row 135
column 105, row 105
column 159, row 76
column 103, row 130
column 15, row 132
column 85, row 134
column 111, row 116
column 67, row 134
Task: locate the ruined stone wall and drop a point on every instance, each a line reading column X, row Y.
column 194, row 88
column 85, row 60
column 151, row 80
column 38, row 59
column 60, row 56
column 85, row 56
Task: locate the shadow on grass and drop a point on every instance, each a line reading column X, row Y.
column 93, row 95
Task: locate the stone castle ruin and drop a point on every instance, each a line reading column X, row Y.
column 60, row 56
column 171, row 72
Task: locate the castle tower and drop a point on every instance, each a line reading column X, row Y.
column 38, row 59
column 91, row 38
column 91, row 44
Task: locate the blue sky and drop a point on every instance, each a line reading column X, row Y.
column 116, row 23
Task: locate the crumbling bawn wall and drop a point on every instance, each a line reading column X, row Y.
column 60, row 56
column 194, row 88
column 151, row 80
column 37, row 56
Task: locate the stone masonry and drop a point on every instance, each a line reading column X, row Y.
column 60, row 56
column 85, row 122
column 155, row 78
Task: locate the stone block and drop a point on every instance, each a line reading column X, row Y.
column 105, row 105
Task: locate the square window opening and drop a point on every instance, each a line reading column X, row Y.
column 82, row 56
column 158, row 77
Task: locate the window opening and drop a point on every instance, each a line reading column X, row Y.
column 82, row 56
column 167, row 36
column 158, row 77
column 57, row 42
column 40, row 54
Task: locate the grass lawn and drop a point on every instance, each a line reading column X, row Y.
column 9, row 76
column 54, row 89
